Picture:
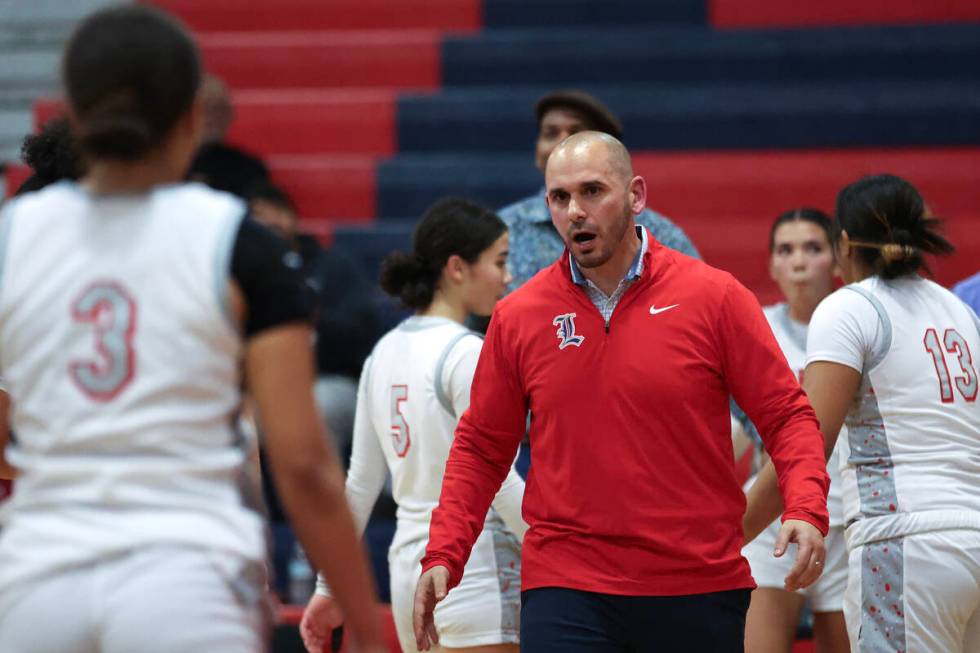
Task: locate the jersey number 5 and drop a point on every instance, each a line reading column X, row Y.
column 111, row 311
column 954, row 344
column 400, row 433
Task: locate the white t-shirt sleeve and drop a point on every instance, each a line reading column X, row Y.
column 458, row 377
column 846, row 329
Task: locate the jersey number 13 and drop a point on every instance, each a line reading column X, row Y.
column 953, row 343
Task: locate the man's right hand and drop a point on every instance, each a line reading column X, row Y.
column 431, row 589
column 810, row 555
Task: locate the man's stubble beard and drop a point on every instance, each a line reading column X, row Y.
column 604, row 256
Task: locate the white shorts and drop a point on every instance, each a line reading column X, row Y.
column 825, row 595
column 919, row 593
column 484, row 609
column 159, row 600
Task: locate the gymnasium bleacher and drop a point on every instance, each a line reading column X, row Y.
column 369, row 110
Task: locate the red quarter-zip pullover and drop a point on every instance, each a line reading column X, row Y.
column 632, row 488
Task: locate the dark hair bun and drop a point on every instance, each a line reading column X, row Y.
column 887, row 219
column 115, row 128
column 450, row 227
column 405, row 276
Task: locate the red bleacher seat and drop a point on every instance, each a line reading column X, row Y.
column 769, row 182
column 766, row 13
column 216, row 15
column 328, row 186
column 310, row 121
column 406, row 59
column 299, row 121
column 726, row 201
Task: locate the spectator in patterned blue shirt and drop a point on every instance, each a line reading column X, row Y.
column 969, row 291
column 534, row 243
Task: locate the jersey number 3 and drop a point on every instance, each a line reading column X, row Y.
column 953, row 343
column 111, row 311
column 400, row 433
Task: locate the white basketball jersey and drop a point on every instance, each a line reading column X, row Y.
column 122, row 362
column 912, row 455
column 414, row 388
column 791, row 336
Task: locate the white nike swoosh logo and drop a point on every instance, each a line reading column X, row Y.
column 654, row 310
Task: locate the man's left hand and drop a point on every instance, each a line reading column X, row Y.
column 810, row 552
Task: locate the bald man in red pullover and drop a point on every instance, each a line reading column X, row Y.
column 625, row 354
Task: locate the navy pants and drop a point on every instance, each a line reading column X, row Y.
column 558, row 620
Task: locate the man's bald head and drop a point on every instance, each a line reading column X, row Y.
column 587, row 145
column 593, row 195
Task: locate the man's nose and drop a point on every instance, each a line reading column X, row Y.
column 575, row 210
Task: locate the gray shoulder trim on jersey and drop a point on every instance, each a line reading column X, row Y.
column 222, row 264
column 442, row 394
column 886, row 324
column 789, row 327
column 417, row 323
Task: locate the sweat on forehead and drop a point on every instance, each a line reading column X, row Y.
column 588, row 144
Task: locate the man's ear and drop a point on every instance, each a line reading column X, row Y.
column 638, row 194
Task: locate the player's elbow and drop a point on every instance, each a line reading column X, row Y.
column 313, row 476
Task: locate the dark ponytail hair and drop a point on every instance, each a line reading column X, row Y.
column 450, row 226
column 130, row 74
column 887, row 221
column 805, row 214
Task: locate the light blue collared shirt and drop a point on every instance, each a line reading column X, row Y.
column 607, row 304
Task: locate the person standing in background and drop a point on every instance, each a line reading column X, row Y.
column 625, row 353
column 347, row 322
column 413, row 389
column 801, row 261
column 969, row 291
column 134, row 306
column 534, row 242
column 52, row 156
column 346, row 327
column 891, row 355
column 217, row 163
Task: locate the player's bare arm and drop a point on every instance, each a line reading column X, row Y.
column 828, row 387
column 279, row 370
